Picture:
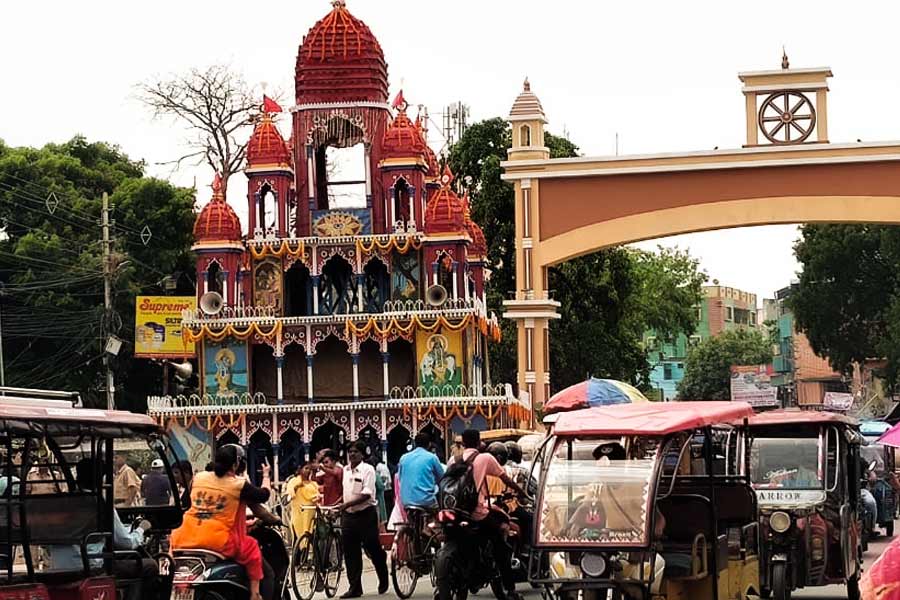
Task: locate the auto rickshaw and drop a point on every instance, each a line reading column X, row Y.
column 631, row 505
column 60, row 535
column 880, row 475
column 805, row 468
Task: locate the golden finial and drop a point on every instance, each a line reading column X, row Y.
column 339, row 3
column 526, row 86
column 784, row 59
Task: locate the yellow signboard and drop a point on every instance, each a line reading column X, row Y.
column 157, row 326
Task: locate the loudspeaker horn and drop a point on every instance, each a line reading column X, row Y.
column 436, row 295
column 212, row 303
column 183, row 371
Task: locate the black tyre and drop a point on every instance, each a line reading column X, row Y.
column 765, row 593
column 403, row 572
column 498, row 589
column 448, row 585
column 332, row 563
column 853, row 588
column 889, row 528
column 303, row 568
column 781, row 585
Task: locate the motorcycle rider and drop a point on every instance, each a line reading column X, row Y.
column 216, row 520
column 493, row 521
column 419, row 472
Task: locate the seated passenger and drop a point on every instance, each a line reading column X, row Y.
column 68, row 558
column 216, row 520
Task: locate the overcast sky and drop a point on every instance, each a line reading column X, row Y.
column 663, row 75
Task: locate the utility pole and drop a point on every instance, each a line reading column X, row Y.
column 107, row 302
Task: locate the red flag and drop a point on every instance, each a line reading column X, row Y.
column 399, row 102
column 270, row 106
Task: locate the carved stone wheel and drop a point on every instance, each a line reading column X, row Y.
column 787, row 118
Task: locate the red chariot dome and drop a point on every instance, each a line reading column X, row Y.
column 445, row 213
column 403, row 139
column 266, row 147
column 340, row 61
column 217, row 222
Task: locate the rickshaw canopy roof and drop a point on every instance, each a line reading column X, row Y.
column 56, row 418
column 504, row 435
column 800, row 417
column 651, row 418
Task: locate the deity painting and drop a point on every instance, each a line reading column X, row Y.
column 225, row 368
column 405, row 276
column 267, row 286
column 440, row 362
column 193, row 443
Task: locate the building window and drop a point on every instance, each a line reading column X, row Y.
column 667, row 371
column 694, row 340
column 729, row 313
column 525, row 135
column 753, row 318
column 699, row 313
column 215, row 278
column 340, row 165
column 651, row 343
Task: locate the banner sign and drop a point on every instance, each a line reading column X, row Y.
column 753, row 384
column 157, row 326
column 786, row 497
column 838, row 400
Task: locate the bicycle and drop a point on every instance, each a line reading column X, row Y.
column 412, row 555
column 316, row 556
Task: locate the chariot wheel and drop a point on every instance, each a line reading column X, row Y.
column 787, row 118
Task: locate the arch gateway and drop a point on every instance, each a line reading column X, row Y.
column 786, row 172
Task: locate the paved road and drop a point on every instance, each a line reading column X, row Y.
column 424, row 591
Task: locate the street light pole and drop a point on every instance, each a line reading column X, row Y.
column 2, row 365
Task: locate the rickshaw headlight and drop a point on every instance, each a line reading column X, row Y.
column 593, row 565
column 780, row 522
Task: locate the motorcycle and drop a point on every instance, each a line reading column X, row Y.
column 206, row 575
column 465, row 561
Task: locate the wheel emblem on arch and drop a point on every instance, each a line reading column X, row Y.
column 787, row 118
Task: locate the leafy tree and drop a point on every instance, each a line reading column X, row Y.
column 608, row 299
column 53, row 321
column 847, row 301
column 707, row 370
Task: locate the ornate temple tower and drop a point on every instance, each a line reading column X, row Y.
column 341, row 92
column 342, row 331
column 403, row 168
column 219, row 248
column 269, row 189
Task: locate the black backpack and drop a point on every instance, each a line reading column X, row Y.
column 457, row 489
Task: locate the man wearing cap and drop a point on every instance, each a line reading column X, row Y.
column 155, row 487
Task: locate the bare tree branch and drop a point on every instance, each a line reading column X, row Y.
column 216, row 104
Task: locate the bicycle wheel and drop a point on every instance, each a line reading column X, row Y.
column 332, row 563
column 303, row 568
column 403, row 572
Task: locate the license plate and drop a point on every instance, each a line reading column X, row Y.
column 183, row 593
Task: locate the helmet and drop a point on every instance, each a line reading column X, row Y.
column 157, row 464
column 499, row 451
column 515, row 451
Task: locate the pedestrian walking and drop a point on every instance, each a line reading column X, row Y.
column 126, row 483
column 359, row 525
column 155, row 487
column 330, row 475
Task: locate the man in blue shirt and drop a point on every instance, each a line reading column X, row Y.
column 419, row 472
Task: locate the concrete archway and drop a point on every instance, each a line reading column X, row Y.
column 569, row 207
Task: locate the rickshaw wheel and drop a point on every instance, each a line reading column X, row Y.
column 781, row 590
column 853, row 588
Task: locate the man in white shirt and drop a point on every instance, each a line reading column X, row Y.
column 359, row 525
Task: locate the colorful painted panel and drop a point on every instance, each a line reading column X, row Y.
column 439, row 358
column 225, row 368
column 267, row 286
column 193, row 444
column 405, row 276
column 342, row 222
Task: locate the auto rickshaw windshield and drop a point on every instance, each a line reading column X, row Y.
column 597, row 498
column 789, row 463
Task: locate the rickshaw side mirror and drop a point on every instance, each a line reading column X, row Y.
column 872, row 465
